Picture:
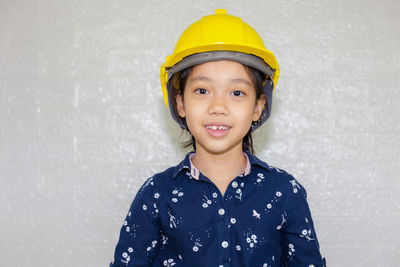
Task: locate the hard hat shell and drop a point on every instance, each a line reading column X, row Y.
column 219, row 32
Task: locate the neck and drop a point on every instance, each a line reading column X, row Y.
column 220, row 167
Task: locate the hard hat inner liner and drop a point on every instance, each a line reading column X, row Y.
column 200, row 58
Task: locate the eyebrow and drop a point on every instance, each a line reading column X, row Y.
column 238, row 80
column 206, row 79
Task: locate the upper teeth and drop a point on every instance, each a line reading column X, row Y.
column 217, row 127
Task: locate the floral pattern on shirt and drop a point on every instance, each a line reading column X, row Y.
column 176, row 219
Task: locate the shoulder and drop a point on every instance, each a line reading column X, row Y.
column 157, row 181
column 163, row 180
column 278, row 176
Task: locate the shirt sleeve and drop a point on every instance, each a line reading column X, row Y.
column 140, row 233
column 300, row 244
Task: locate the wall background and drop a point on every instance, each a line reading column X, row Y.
column 83, row 124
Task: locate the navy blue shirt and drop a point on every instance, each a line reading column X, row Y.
column 180, row 218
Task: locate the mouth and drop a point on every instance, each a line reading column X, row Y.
column 218, row 130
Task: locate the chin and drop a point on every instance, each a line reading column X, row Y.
column 218, row 149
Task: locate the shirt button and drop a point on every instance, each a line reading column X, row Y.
column 221, row 211
column 234, row 184
column 224, row 244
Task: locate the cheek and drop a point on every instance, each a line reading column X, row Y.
column 194, row 106
column 192, row 114
column 244, row 117
column 246, row 111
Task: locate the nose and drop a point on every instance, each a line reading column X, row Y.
column 218, row 105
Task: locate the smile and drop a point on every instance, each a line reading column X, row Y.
column 215, row 127
column 217, row 130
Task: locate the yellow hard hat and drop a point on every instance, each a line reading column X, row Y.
column 215, row 37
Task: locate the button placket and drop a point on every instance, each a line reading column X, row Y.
column 223, row 218
column 230, row 191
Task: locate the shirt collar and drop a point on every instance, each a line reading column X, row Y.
column 254, row 161
column 187, row 165
column 184, row 165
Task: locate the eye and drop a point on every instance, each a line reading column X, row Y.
column 237, row 93
column 201, row 91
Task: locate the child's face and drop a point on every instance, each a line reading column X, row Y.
column 219, row 104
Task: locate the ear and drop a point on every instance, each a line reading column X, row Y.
column 258, row 109
column 179, row 106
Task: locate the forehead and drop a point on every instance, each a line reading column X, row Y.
column 221, row 69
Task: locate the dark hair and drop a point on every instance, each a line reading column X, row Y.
column 176, row 87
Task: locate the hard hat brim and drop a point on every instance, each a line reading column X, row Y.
column 200, row 58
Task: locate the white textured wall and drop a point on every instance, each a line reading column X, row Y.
column 82, row 120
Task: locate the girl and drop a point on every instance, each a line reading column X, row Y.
column 221, row 206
